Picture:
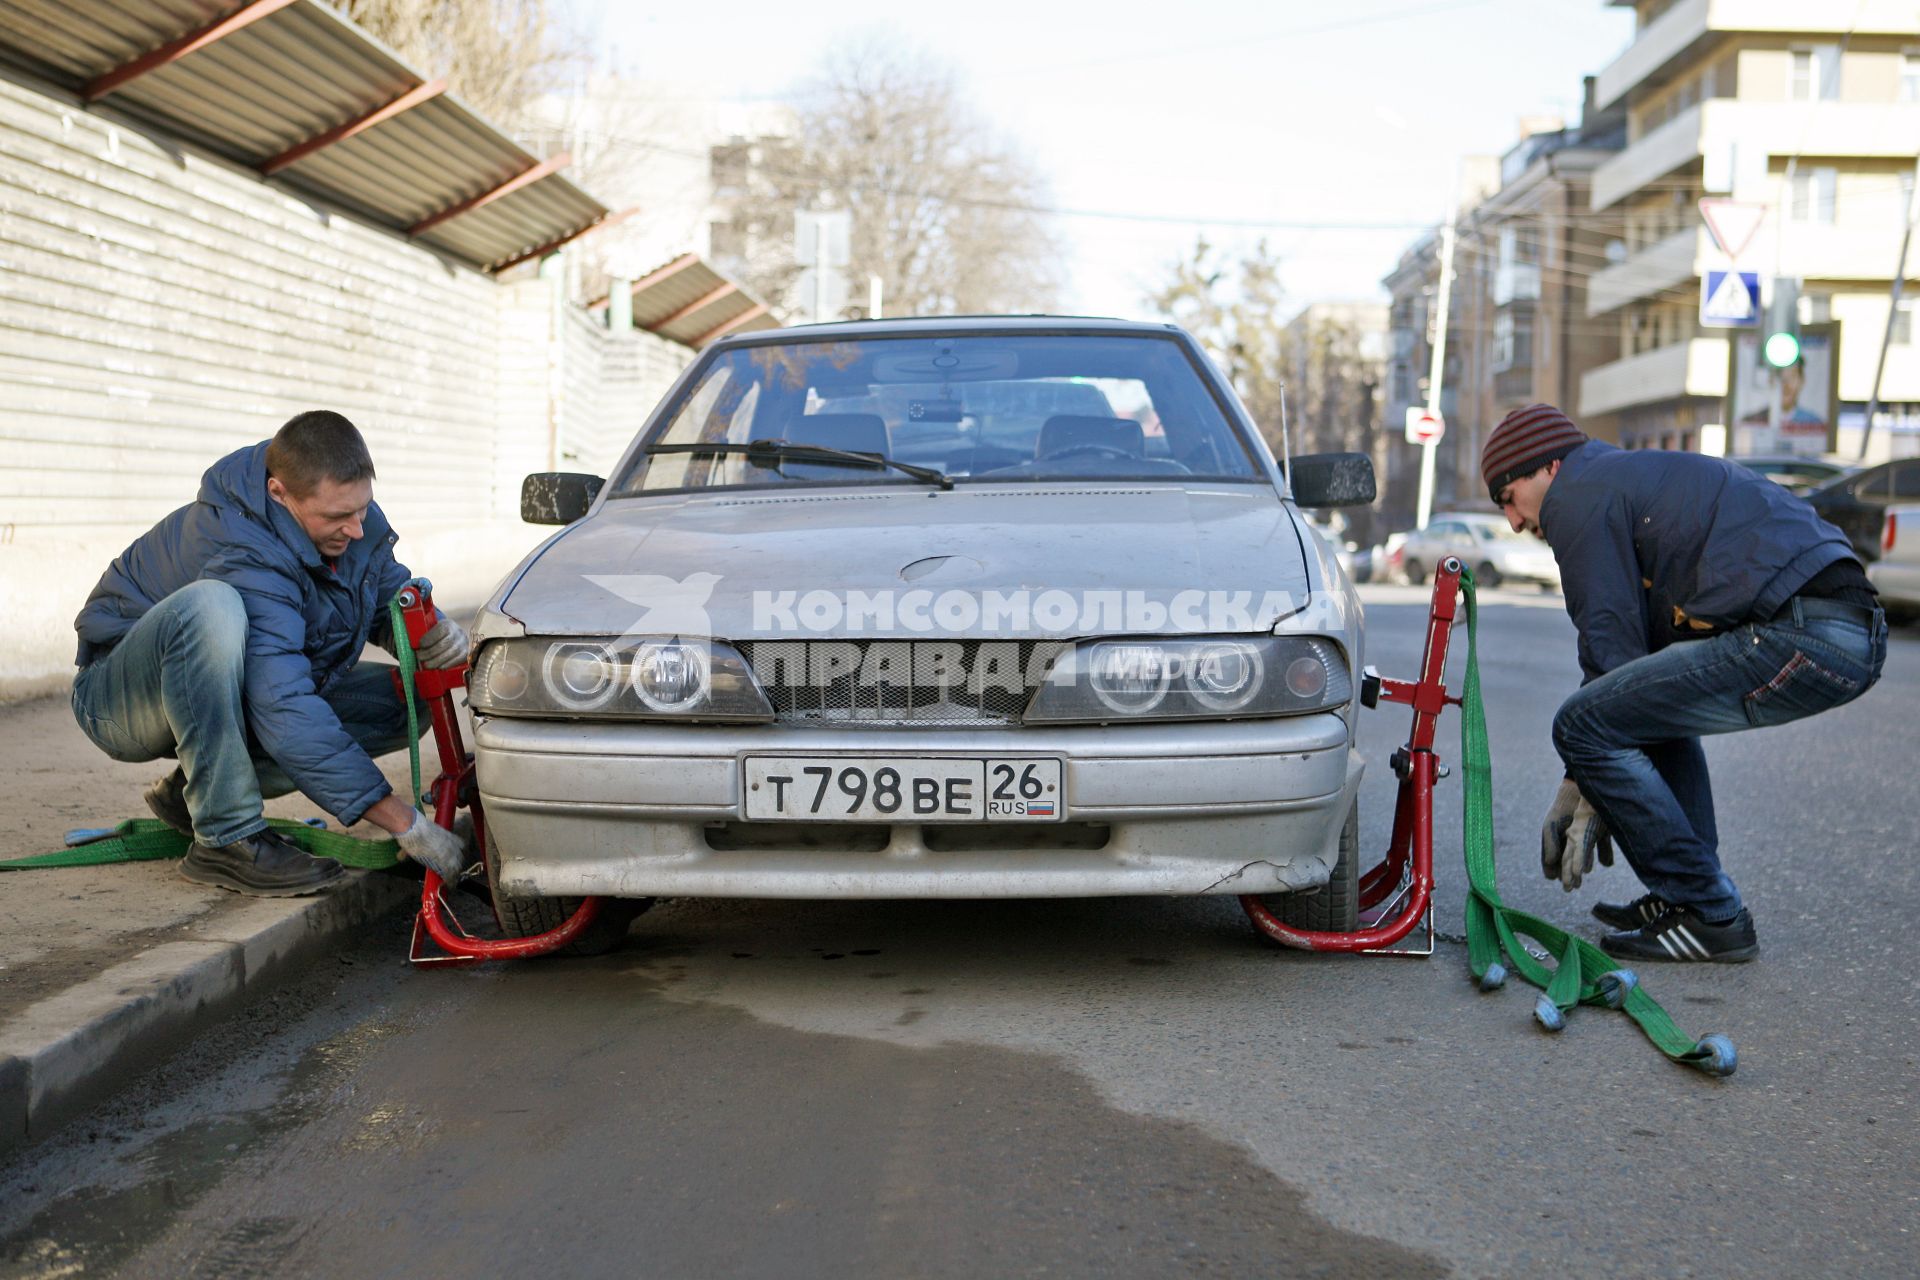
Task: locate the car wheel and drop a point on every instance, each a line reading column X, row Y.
column 1486, row 575
column 1416, row 572
column 525, row 917
column 1335, row 906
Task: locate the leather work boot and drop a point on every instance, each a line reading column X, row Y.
column 263, row 865
column 168, row 800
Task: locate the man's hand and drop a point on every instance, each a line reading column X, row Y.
column 1573, row 834
column 445, row 645
column 433, row 846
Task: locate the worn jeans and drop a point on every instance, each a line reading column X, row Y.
column 1631, row 738
column 173, row 687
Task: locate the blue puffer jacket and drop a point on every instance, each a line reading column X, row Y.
column 306, row 622
column 1656, row 547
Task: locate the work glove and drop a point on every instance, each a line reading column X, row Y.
column 444, row 646
column 1573, row 835
column 432, row 845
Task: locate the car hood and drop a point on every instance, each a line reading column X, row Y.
column 736, row 565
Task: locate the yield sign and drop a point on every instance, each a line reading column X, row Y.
column 1732, row 223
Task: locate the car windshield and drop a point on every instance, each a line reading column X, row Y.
column 987, row 409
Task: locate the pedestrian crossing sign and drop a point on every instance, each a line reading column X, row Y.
column 1730, row 300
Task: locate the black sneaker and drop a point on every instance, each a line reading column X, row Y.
column 168, row 800
column 1643, row 910
column 1680, row 934
column 264, row 865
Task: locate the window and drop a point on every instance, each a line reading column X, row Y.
column 1811, row 198
column 1910, row 76
column 1816, row 308
column 1503, row 340
column 1906, row 480
column 1902, row 335
column 1816, row 74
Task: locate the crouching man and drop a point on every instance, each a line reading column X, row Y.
column 1707, row 600
column 226, row 637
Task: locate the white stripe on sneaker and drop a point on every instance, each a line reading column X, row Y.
column 1692, row 944
column 1666, row 941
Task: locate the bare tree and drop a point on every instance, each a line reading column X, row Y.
column 1233, row 308
column 948, row 215
column 499, row 56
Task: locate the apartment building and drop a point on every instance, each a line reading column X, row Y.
column 1535, row 246
column 1810, row 110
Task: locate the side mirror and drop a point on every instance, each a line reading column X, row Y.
column 1332, row 480
column 557, row 497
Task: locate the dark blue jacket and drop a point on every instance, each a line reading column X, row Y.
column 1656, row 547
column 306, row 621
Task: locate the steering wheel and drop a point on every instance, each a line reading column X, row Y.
column 1090, row 451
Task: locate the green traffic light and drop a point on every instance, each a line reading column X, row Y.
column 1781, row 349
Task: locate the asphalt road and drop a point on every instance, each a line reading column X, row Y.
column 1108, row 1088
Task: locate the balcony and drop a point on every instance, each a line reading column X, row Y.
column 1516, row 282
column 1667, row 264
column 1739, row 137
column 1673, row 40
column 1694, row 367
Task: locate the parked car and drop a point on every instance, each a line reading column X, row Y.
column 1896, row 574
column 1797, row 473
column 1857, row 504
column 1090, row 648
column 1486, row 543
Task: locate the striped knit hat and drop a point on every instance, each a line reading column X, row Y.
column 1526, row 440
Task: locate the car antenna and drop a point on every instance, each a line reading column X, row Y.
column 1286, row 442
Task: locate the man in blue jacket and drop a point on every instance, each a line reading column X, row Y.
column 1708, row 600
column 226, row 637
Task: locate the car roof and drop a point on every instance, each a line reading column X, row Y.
column 924, row 326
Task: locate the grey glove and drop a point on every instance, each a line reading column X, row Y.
column 433, row 846
column 445, row 645
column 1571, row 837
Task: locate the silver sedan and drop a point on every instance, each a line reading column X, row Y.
column 954, row 608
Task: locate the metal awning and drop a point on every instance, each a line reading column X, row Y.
column 294, row 90
column 689, row 302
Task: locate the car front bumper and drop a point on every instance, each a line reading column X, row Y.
column 648, row 809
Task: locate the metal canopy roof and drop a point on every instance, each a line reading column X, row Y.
column 689, row 302
column 293, row 89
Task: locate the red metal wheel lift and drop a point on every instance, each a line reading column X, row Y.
column 457, row 787
column 1396, row 895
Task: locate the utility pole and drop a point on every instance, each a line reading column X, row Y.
column 1439, row 365
column 1893, row 313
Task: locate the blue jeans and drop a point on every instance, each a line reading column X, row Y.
column 1631, row 738
column 172, row 687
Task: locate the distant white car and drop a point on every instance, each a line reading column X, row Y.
column 1897, row 572
column 1485, row 543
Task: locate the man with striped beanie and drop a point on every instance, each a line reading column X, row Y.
column 1707, row 600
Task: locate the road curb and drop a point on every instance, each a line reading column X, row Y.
column 62, row 1055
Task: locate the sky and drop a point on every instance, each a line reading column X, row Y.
column 1330, row 130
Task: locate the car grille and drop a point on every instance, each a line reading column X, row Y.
column 879, row 682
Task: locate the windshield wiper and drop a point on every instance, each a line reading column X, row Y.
column 772, row 452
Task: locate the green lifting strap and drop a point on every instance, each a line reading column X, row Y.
column 146, row 839
column 1582, row 972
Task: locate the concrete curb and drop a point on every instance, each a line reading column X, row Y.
column 64, row 1054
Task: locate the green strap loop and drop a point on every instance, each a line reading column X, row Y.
column 148, row 840
column 1494, row 929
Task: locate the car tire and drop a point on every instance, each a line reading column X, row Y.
column 1335, row 906
column 525, row 917
column 1486, row 575
column 1415, row 571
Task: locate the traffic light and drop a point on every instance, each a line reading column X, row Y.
column 1781, row 349
column 1782, row 345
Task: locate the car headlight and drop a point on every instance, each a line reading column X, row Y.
column 663, row 677
column 1213, row 678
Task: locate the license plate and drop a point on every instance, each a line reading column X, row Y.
column 902, row 789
